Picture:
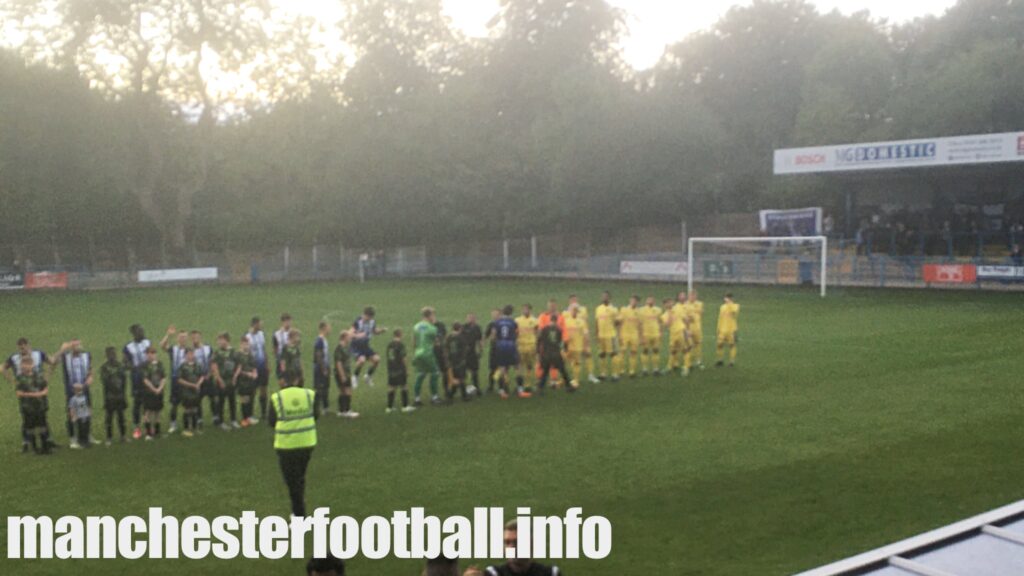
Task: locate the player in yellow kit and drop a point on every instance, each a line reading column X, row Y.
column 629, row 335
column 607, row 316
column 650, row 337
column 672, row 321
column 577, row 336
column 694, row 308
column 687, row 345
column 681, row 334
column 728, row 326
column 588, row 355
column 526, row 344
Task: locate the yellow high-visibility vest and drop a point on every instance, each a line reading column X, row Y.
column 296, row 425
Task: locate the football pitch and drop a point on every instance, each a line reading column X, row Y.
column 848, row 423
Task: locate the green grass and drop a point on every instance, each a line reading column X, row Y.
column 849, row 423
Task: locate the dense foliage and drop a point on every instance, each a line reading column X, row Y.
column 115, row 120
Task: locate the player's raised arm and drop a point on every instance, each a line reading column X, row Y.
column 165, row 342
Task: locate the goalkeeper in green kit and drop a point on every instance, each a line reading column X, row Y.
column 424, row 339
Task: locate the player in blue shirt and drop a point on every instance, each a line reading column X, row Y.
column 363, row 329
column 504, row 336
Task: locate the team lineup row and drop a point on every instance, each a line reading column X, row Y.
column 529, row 350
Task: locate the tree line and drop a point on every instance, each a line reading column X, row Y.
column 117, row 123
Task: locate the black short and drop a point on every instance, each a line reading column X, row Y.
column 246, row 387
column 262, row 377
column 209, row 387
column 191, row 402
column 459, row 372
column 343, row 384
column 473, row 363
column 114, row 404
column 175, row 393
column 398, row 380
column 153, row 402
column 552, row 362
column 33, row 420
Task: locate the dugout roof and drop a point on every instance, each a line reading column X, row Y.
column 990, row 544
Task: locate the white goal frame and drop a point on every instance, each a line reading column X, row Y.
column 822, row 240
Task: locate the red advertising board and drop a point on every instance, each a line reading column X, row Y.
column 950, row 273
column 40, row 280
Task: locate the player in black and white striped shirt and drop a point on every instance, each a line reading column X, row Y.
column 135, row 359
column 203, row 354
column 258, row 349
column 280, row 342
column 176, row 356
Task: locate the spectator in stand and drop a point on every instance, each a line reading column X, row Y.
column 947, row 238
column 899, row 236
column 1016, row 256
column 861, row 239
column 1016, row 233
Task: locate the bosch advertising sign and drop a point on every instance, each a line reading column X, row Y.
column 954, row 151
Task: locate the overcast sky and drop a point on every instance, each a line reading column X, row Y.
column 655, row 23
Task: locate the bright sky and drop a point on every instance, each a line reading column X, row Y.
column 654, row 24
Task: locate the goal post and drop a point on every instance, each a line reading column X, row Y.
column 771, row 241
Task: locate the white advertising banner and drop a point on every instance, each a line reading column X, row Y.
column 1001, row 272
column 644, row 268
column 178, row 275
column 933, row 152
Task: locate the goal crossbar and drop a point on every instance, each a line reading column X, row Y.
column 823, row 240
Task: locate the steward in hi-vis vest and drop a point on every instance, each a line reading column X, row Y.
column 293, row 414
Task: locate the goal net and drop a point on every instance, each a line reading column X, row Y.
column 787, row 260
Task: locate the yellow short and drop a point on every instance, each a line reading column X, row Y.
column 677, row 341
column 727, row 338
column 606, row 345
column 697, row 336
column 652, row 342
column 630, row 344
column 574, row 355
column 528, row 357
